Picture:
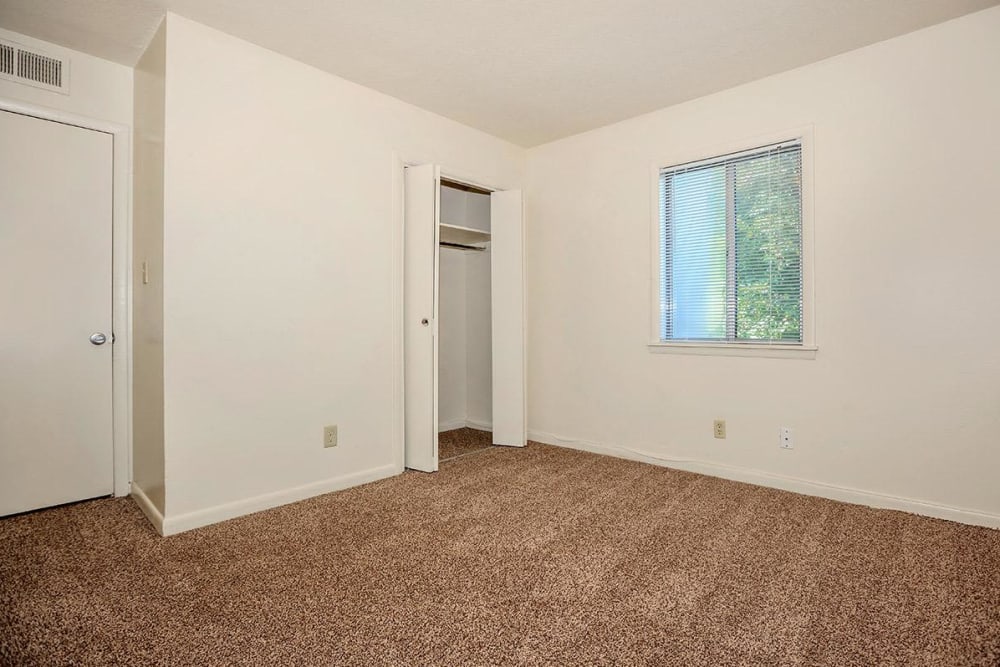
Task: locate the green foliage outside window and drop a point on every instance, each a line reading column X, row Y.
column 768, row 248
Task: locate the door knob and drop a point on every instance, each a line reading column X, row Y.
column 98, row 338
column 425, row 321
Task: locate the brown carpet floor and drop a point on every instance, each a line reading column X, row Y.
column 460, row 441
column 552, row 557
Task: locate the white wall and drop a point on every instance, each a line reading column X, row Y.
column 465, row 393
column 99, row 89
column 452, row 348
column 279, row 271
column 465, row 371
column 147, row 298
column 902, row 398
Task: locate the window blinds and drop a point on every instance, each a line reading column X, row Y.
column 731, row 247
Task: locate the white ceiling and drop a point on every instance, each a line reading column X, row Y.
column 529, row 71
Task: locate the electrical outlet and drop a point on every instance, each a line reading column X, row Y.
column 785, row 438
column 719, row 428
column 330, row 436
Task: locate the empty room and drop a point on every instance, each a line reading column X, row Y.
column 482, row 332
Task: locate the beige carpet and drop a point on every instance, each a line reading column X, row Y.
column 461, row 441
column 537, row 556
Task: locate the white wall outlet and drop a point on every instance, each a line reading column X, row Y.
column 719, row 428
column 330, row 436
column 785, row 438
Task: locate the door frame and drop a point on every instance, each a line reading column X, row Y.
column 399, row 163
column 121, row 277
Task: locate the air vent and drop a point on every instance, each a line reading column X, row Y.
column 8, row 54
column 33, row 68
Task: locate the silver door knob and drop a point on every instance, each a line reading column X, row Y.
column 98, row 338
column 425, row 321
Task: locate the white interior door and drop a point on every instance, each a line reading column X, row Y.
column 420, row 316
column 507, row 250
column 55, row 293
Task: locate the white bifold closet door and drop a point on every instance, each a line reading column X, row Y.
column 420, row 317
column 420, row 314
column 507, row 278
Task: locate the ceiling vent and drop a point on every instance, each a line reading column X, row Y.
column 33, row 68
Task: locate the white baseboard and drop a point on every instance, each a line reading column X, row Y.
column 452, row 424
column 794, row 484
column 148, row 508
column 172, row 525
column 478, row 425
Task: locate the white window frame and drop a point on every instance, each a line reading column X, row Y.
column 804, row 350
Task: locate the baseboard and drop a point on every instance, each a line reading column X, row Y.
column 204, row 517
column 478, row 425
column 452, row 424
column 794, row 484
column 148, row 508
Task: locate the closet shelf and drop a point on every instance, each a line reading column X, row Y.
column 462, row 235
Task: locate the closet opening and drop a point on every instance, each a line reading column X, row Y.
column 465, row 349
column 463, row 318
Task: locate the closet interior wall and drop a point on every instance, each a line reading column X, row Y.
column 464, row 344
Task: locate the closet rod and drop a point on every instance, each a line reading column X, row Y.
column 460, row 246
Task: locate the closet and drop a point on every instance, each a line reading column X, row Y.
column 463, row 317
column 465, row 409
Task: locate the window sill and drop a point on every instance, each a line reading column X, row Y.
column 736, row 350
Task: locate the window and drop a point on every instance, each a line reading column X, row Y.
column 731, row 248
